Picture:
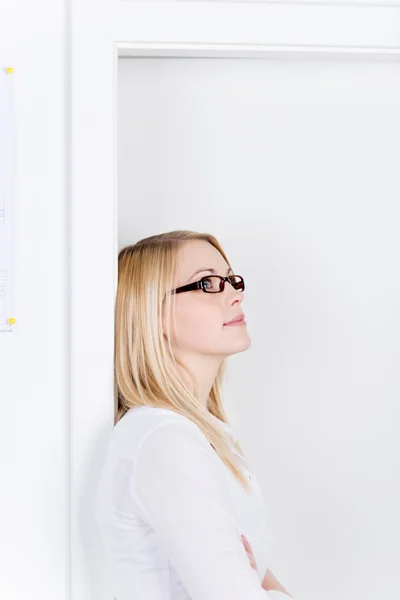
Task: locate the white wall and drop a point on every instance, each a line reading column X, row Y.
column 34, row 384
column 293, row 165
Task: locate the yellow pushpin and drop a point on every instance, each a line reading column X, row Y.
column 9, row 70
column 11, row 321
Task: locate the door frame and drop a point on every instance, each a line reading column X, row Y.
column 101, row 33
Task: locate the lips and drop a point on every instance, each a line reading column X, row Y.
column 236, row 319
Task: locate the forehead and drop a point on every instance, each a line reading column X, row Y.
column 196, row 254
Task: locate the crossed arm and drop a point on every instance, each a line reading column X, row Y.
column 269, row 582
column 179, row 488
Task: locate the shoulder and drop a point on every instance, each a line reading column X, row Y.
column 146, row 419
column 174, row 457
column 153, row 426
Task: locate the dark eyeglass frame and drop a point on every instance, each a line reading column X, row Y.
column 200, row 285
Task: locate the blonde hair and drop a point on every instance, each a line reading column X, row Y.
column 145, row 369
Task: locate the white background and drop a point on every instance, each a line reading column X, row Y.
column 321, row 432
column 293, row 165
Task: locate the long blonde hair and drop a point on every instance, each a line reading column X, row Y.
column 145, row 369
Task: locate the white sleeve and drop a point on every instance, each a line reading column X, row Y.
column 180, row 489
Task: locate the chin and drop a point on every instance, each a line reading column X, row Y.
column 240, row 346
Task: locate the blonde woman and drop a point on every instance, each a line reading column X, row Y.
column 181, row 513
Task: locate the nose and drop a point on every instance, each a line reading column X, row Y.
column 234, row 295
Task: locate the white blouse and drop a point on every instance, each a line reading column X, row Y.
column 171, row 514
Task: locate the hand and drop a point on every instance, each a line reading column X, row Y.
column 249, row 553
column 270, row 582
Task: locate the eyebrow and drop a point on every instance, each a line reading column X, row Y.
column 213, row 271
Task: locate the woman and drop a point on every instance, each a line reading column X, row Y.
column 180, row 512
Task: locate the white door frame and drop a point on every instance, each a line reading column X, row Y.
column 102, row 31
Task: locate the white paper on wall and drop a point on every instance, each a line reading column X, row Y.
column 6, row 189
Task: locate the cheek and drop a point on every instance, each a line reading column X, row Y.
column 198, row 322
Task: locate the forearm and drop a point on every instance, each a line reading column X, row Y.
column 270, row 582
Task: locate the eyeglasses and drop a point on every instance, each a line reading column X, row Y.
column 213, row 284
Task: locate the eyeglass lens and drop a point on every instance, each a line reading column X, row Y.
column 213, row 284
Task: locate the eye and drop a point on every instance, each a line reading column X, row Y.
column 207, row 282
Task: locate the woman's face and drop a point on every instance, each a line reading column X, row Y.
column 200, row 316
